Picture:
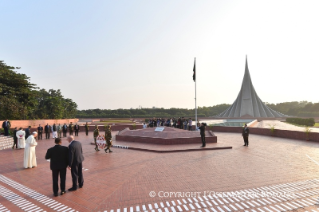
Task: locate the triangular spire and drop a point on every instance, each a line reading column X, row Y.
column 248, row 104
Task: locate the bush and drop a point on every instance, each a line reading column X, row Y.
column 307, row 122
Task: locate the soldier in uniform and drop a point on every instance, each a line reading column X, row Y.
column 71, row 128
column 86, row 129
column 59, row 129
column 108, row 138
column 76, row 129
column 95, row 134
column 40, row 131
column 65, row 129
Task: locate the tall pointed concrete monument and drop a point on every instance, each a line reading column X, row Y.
column 248, row 104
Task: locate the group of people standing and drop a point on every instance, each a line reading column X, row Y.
column 181, row 123
column 57, row 130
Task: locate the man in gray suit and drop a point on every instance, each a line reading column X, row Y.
column 75, row 163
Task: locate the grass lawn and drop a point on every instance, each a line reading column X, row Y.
column 316, row 124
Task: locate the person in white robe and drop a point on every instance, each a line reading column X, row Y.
column 21, row 138
column 30, row 160
column 54, row 131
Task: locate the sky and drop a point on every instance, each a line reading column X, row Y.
column 140, row 53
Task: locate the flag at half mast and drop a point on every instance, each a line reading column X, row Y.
column 194, row 71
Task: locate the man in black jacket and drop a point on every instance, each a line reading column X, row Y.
column 27, row 132
column 75, row 163
column 58, row 156
column 40, row 131
column 64, row 129
column 76, row 129
column 6, row 126
column 245, row 135
column 47, row 130
column 202, row 134
column 15, row 138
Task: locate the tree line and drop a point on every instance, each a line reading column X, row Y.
column 152, row 112
column 21, row 99
column 297, row 109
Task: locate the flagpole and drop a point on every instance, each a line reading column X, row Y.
column 195, row 94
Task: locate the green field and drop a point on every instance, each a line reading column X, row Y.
column 316, row 125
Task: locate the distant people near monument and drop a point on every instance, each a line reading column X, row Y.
column 59, row 129
column 144, row 126
column 245, row 134
column 202, row 134
column 21, row 138
column 75, row 163
column 58, row 156
column 6, row 126
column 27, row 132
column 15, row 138
column 108, row 138
column 30, row 160
column 40, row 132
column 185, row 124
column 96, row 134
column 190, row 124
column 71, row 128
column 47, row 130
column 64, row 129
column 54, row 131
column 86, row 129
column 76, row 129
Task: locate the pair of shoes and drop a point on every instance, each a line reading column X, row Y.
column 80, row 186
column 72, row 189
column 244, row 145
column 55, row 194
column 105, row 150
column 110, row 150
column 62, row 192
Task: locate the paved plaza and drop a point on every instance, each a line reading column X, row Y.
column 123, row 180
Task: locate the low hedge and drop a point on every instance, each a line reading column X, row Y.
column 308, row 122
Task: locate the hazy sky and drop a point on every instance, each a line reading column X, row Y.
column 123, row 54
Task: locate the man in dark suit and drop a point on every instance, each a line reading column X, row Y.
column 245, row 135
column 75, row 163
column 64, row 129
column 58, row 156
column 15, row 138
column 40, row 131
column 27, row 132
column 202, row 134
column 76, row 129
column 47, row 130
column 6, row 126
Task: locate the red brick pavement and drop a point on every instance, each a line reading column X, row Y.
column 125, row 178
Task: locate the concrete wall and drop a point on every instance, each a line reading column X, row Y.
column 35, row 123
column 262, row 131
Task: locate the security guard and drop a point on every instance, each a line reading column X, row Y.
column 108, row 138
column 95, row 134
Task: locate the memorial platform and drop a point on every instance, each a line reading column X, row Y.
column 168, row 136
